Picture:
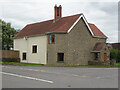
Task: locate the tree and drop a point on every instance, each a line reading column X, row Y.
column 0, row 35
column 7, row 35
column 115, row 54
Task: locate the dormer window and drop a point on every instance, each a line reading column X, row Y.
column 51, row 39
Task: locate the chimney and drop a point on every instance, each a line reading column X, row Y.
column 58, row 12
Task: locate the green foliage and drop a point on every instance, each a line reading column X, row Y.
column 7, row 35
column 118, row 64
column 0, row 35
column 115, row 54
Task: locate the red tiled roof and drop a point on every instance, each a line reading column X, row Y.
column 96, row 31
column 98, row 46
column 62, row 25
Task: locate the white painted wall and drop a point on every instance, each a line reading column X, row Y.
column 26, row 46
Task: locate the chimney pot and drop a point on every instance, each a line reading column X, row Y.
column 58, row 12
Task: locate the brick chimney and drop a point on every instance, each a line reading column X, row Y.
column 58, row 12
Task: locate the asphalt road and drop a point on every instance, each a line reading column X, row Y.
column 58, row 77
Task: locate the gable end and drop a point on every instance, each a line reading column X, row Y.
column 82, row 16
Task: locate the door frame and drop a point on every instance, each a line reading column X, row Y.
column 105, row 56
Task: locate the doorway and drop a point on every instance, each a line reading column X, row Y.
column 105, row 56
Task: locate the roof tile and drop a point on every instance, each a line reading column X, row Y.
column 62, row 25
column 96, row 31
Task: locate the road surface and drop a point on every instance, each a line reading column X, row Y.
column 58, row 77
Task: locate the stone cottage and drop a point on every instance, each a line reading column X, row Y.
column 61, row 41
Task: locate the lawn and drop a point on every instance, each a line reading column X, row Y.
column 118, row 64
column 15, row 63
column 87, row 66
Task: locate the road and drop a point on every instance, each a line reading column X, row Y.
column 58, row 77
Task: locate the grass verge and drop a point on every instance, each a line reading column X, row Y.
column 15, row 63
column 117, row 64
column 84, row 66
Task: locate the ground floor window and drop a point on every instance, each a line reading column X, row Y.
column 60, row 57
column 24, row 56
column 34, row 49
column 96, row 56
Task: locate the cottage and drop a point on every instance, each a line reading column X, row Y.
column 61, row 41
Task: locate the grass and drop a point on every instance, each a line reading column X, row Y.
column 84, row 66
column 15, row 63
column 118, row 64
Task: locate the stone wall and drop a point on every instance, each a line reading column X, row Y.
column 76, row 46
column 104, row 63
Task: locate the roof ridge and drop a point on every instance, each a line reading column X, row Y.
column 64, row 24
column 53, row 19
column 91, row 23
column 73, row 15
column 40, row 22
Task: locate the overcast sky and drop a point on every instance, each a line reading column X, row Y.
column 103, row 14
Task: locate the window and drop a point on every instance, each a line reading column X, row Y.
column 24, row 56
column 52, row 39
column 60, row 57
column 96, row 56
column 34, row 50
column 58, row 11
column 105, row 49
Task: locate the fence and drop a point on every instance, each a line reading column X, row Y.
column 9, row 56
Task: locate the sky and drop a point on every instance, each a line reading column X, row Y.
column 103, row 13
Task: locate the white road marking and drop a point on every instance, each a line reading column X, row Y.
column 31, row 69
column 27, row 77
column 105, row 77
column 75, row 75
column 98, row 77
column 83, row 76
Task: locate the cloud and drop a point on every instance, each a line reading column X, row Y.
column 102, row 14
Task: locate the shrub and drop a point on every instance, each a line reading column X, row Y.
column 115, row 54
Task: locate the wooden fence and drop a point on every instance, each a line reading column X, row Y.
column 9, row 56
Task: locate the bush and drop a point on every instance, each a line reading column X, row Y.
column 115, row 54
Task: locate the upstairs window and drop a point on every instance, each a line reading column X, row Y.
column 34, row 49
column 24, row 56
column 51, row 39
